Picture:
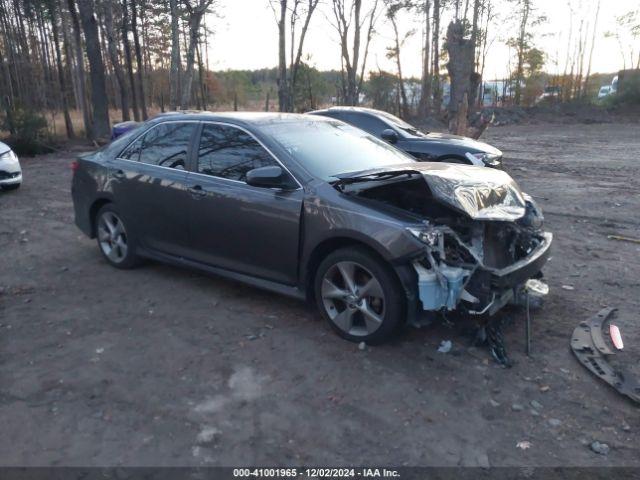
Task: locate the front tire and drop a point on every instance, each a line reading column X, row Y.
column 359, row 295
column 13, row 186
column 115, row 241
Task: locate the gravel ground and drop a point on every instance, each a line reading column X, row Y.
column 162, row 366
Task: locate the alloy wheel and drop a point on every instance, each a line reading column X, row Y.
column 112, row 237
column 353, row 298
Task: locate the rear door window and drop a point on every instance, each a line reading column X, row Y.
column 165, row 145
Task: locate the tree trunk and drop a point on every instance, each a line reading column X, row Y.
column 195, row 17
column 112, row 48
column 283, row 89
column 86, row 115
column 404, row 107
column 435, row 69
column 128, row 60
column 176, row 68
column 99, row 99
column 425, row 93
column 521, row 50
column 61, row 80
column 138, row 50
column 460, row 67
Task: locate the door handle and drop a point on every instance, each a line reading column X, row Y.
column 118, row 174
column 197, row 191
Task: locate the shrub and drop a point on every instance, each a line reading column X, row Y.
column 28, row 132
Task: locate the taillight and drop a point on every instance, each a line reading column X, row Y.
column 74, row 166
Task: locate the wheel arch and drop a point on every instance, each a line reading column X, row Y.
column 93, row 212
column 327, row 246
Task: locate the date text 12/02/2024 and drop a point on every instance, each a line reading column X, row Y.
column 315, row 472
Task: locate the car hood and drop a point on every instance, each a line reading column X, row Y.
column 480, row 193
column 464, row 142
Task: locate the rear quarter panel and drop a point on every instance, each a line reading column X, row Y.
column 87, row 187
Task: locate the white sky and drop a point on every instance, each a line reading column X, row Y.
column 246, row 36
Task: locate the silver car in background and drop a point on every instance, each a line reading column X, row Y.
column 10, row 171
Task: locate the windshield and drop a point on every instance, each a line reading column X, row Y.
column 328, row 147
column 399, row 123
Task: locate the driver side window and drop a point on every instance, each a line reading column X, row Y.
column 165, row 145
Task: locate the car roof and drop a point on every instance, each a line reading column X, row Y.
column 240, row 118
column 364, row 110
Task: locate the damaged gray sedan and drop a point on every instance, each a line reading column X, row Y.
column 316, row 209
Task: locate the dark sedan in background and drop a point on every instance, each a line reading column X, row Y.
column 314, row 208
column 431, row 146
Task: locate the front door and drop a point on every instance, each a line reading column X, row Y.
column 236, row 226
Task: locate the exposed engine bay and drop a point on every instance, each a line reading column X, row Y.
column 482, row 236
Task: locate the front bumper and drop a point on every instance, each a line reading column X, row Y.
column 522, row 270
column 481, row 290
column 10, row 178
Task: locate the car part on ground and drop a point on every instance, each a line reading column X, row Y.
column 10, row 171
column 591, row 350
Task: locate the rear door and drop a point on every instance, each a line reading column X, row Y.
column 149, row 180
column 236, row 226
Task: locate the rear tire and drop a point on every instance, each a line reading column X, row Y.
column 359, row 295
column 115, row 240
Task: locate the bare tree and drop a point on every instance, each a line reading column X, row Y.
column 138, row 50
column 77, row 35
column 99, row 99
column 129, row 60
column 521, row 46
column 61, row 73
column 425, row 94
column 176, row 68
column 460, row 68
column 195, row 14
column 393, row 8
column 114, row 56
column 288, row 74
column 347, row 14
column 435, row 69
column 283, row 89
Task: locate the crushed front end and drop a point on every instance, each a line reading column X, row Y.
column 481, row 239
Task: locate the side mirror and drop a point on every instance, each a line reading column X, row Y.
column 389, row 135
column 267, row 177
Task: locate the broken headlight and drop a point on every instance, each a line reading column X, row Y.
column 427, row 236
column 481, row 159
column 533, row 217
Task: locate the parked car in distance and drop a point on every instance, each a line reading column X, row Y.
column 604, row 91
column 431, row 146
column 10, row 171
column 314, row 208
column 550, row 93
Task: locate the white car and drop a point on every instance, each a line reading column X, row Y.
column 604, row 91
column 10, row 171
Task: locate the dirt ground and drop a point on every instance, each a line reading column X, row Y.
column 161, row 366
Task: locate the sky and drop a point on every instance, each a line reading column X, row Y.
column 245, row 37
